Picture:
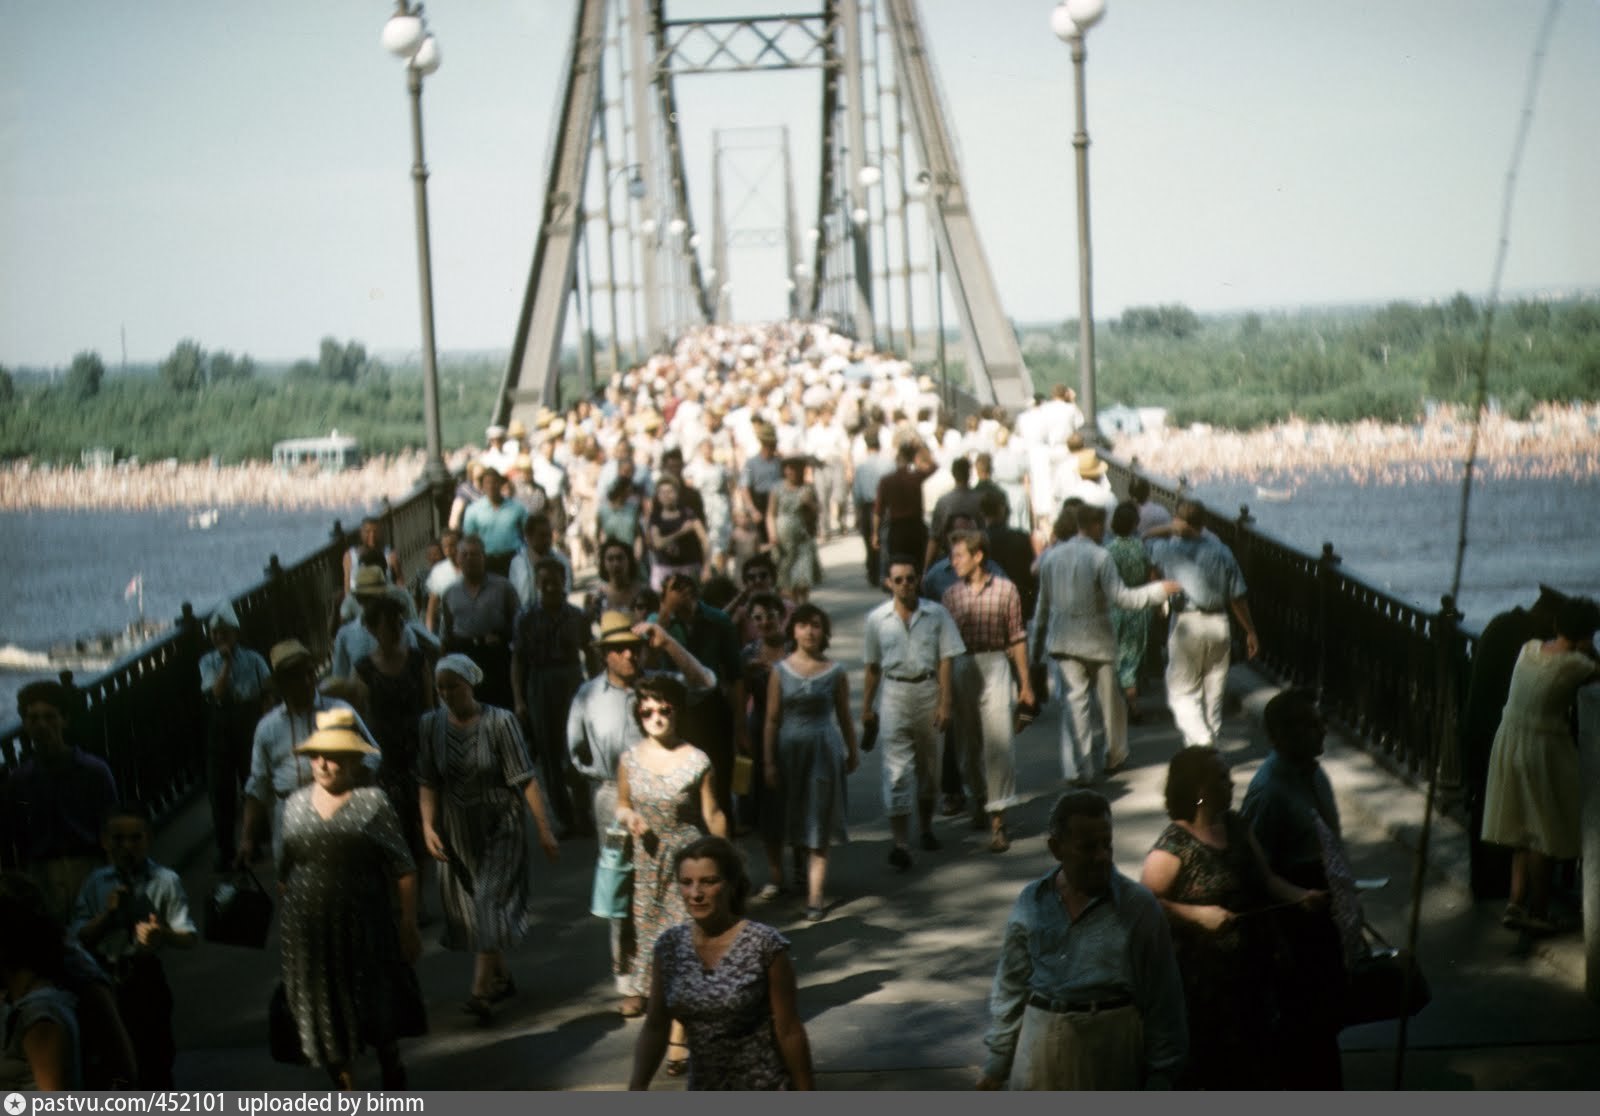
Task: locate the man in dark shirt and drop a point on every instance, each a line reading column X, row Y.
column 54, row 803
column 552, row 639
column 711, row 723
column 480, row 612
column 960, row 500
column 897, row 512
column 761, row 474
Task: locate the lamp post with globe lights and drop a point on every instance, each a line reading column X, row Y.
column 1071, row 21
column 406, row 36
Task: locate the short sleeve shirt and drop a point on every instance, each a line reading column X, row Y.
column 906, row 650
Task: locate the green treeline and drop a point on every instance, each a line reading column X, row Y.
column 1252, row 370
column 1239, row 371
column 201, row 404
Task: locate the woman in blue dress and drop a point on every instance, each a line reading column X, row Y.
column 810, row 744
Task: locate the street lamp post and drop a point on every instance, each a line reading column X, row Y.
column 407, row 36
column 1071, row 21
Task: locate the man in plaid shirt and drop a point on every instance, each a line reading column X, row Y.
column 988, row 613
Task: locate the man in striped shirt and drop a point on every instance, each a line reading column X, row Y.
column 988, row 614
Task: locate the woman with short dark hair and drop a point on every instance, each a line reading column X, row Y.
column 728, row 980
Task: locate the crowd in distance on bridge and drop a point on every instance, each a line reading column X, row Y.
column 474, row 717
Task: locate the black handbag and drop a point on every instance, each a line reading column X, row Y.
column 237, row 914
column 283, row 1033
column 1376, row 988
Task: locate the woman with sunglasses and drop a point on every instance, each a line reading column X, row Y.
column 666, row 799
column 729, row 980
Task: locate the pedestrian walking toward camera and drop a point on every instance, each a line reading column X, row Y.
column 233, row 681
column 911, row 645
column 1087, row 993
column 1199, row 643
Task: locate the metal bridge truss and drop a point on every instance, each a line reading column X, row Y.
column 617, row 241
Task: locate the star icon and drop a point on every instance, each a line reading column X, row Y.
column 15, row 1104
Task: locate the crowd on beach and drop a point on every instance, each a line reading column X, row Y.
column 681, row 708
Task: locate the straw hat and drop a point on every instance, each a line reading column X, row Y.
column 289, row 654
column 516, row 429
column 1090, row 467
column 370, row 582
column 336, row 732
column 616, row 630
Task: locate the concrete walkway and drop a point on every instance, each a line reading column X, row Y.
column 894, row 983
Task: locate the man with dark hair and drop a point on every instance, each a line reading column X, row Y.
column 988, row 613
column 714, row 721
column 760, row 575
column 480, row 613
column 897, row 518
column 53, row 804
column 910, row 648
column 961, row 500
column 496, row 521
column 871, row 469
column 233, row 683
column 550, row 642
column 1087, row 993
column 1078, row 584
column 1151, row 514
column 1200, row 644
column 538, row 544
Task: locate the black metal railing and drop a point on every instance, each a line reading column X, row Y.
column 1389, row 672
column 145, row 715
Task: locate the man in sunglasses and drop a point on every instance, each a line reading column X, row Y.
column 600, row 727
column 911, row 644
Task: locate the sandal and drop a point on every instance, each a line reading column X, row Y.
column 677, row 1067
column 504, row 989
column 1514, row 917
column 632, row 1007
column 480, row 1007
column 770, row 892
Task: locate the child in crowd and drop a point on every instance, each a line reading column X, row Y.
column 126, row 912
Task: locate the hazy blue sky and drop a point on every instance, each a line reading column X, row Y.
column 238, row 171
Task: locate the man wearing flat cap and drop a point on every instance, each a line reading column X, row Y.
column 233, row 683
column 600, row 727
column 276, row 771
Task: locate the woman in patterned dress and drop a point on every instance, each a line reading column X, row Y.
column 1132, row 626
column 728, row 980
column 480, row 800
column 1213, row 880
column 792, row 526
column 342, row 863
column 666, row 798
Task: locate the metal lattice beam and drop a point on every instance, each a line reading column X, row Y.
column 734, row 45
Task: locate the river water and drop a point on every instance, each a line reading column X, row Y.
column 71, row 569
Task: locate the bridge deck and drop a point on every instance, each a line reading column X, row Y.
column 893, row 984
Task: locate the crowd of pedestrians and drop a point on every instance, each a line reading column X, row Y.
column 475, row 717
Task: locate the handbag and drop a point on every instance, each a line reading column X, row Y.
column 1376, row 988
column 612, row 895
column 743, row 769
column 283, row 1033
column 239, row 915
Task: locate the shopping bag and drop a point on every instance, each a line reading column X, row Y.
column 283, row 1033
column 1376, row 988
column 237, row 914
column 612, row 896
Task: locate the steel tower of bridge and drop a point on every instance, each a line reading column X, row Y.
column 617, row 243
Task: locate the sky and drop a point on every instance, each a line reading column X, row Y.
column 239, row 172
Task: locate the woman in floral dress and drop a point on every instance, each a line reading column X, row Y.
column 1132, row 626
column 667, row 800
column 729, row 980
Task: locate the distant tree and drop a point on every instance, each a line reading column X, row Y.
column 1250, row 326
column 185, row 369
column 1461, row 310
column 8, row 387
column 1174, row 320
column 1529, row 315
column 224, row 366
column 85, row 375
column 344, row 364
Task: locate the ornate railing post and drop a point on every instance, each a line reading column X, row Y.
column 1447, row 701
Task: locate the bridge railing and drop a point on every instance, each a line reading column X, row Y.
column 145, row 715
column 1393, row 674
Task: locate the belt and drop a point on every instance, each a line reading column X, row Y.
column 1204, row 611
column 1077, row 1007
column 923, row 677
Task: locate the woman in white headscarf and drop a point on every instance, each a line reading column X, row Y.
column 481, row 802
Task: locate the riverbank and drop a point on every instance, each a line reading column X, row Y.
column 170, row 484
column 1553, row 443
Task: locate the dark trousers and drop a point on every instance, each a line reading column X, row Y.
column 548, row 692
column 708, row 725
column 906, row 536
column 144, row 1000
column 494, row 659
column 230, row 732
column 868, row 540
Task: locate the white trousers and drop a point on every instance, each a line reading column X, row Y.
column 983, row 710
column 911, row 747
column 1094, row 717
column 1081, row 1050
column 1198, row 649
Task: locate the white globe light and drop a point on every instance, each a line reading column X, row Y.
column 676, row 226
column 427, row 58
column 648, row 226
column 813, row 235
column 789, row 284
column 801, row 270
column 1086, row 13
column 402, row 35
column 710, row 274
column 859, row 215
column 694, row 241
column 1061, row 23
column 869, row 176
column 727, row 288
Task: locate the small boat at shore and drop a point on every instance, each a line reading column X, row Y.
column 101, row 649
column 1274, row 495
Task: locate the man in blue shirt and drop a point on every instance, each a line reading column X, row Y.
column 864, row 489
column 233, row 682
column 497, row 521
column 1087, row 993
